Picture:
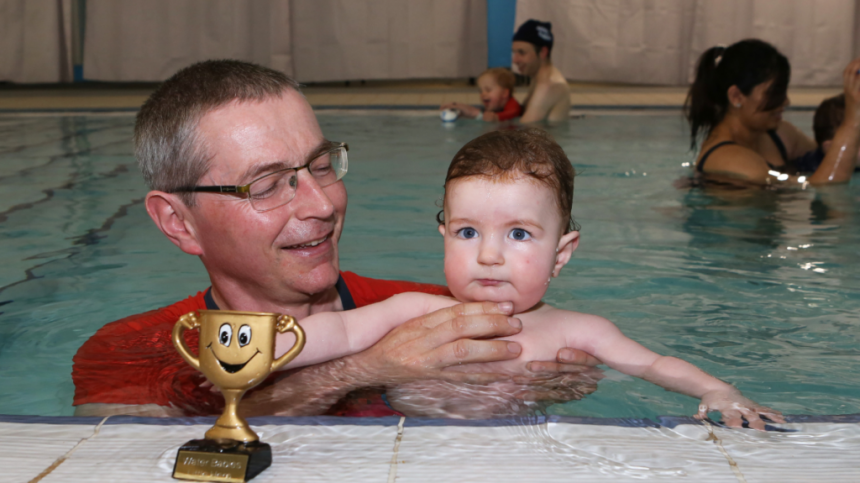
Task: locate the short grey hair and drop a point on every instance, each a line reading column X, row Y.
column 166, row 142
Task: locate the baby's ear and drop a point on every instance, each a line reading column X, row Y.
column 566, row 245
column 442, row 230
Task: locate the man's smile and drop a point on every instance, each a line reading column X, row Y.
column 309, row 244
column 232, row 368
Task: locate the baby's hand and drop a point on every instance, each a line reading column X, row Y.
column 734, row 406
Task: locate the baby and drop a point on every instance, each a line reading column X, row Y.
column 508, row 231
column 497, row 87
column 828, row 117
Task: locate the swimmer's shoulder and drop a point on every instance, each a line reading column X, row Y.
column 555, row 328
column 734, row 161
column 549, row 315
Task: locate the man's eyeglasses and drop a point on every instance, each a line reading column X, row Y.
column 278, row 188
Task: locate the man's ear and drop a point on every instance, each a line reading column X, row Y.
column 442, row 230
column 173, row 218
column 566, row 245
column 825, row 146
column 736, row 97
column 544, row 53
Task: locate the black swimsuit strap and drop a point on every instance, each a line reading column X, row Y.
column 780, row 146
column 701, row 164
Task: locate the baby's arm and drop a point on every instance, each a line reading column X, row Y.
column 330, row 335
column 605, row 341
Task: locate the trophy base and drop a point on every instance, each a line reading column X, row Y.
column 221, row 460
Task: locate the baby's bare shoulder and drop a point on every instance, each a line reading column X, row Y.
column 548, row 315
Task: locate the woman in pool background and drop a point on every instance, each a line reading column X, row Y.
column 736, row 105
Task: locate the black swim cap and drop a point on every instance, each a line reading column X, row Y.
column 536, row 33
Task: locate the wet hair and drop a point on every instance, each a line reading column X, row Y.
column 828, row 117
column 510, row 153
column 166, row 142
column 503, row 77
column 744, row 64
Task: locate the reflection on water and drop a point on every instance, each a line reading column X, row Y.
column 520, row 396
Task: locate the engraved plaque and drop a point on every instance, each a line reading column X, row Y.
column 200, row 466
column 224, row 460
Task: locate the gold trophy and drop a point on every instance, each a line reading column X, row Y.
column 237, row 352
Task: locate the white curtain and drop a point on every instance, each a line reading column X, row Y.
column 149, row 40
column 312, row 40
column 659, row 41
column 35, row 40
column 389, row 39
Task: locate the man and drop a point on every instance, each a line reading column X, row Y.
column 549, row 96
column 224, row 146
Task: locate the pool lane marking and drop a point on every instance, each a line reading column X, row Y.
column 66, row 456
column 392, row 469
column 732, row 463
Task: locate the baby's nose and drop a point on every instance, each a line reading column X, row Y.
column 490, row 254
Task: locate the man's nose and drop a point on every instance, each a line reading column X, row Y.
column 311, row 201
column 490, row 253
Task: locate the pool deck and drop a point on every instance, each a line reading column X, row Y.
column 370, row 95
column 547, row 449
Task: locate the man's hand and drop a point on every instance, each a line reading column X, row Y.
column 422, row 348
column 571, row 378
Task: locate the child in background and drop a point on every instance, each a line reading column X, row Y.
column 496, row 86
column 828, row 117
column 508, row 230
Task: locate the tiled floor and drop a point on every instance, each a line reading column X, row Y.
column 421, row 95
column 415, row 450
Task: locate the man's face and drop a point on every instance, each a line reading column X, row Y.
column 493, row 96
column 526, row 58
column 290, row 252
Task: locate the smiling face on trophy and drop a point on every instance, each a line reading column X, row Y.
column 236, row 348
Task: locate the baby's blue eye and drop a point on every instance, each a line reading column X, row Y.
column 520, row 235
column 468, row 232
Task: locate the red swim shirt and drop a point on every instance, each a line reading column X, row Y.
column 512, row 109
column 133, row 361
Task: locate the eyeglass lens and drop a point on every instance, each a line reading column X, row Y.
column 279, row 188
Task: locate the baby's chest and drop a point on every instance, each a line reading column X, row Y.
column 538, row 342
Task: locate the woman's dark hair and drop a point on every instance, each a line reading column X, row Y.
column 744, row 64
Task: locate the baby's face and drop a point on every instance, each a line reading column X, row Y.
column 501, row 239
column 493, row 96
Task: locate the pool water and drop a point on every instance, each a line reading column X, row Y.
column 759, row 288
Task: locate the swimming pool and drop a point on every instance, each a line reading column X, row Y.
column 759, row 288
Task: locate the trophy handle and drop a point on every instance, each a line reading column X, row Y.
column 186, row 322
column 287, row 323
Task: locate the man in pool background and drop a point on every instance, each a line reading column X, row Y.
column 549, row 95
column 224, row 123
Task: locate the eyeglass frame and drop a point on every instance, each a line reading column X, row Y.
column 246, row 188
